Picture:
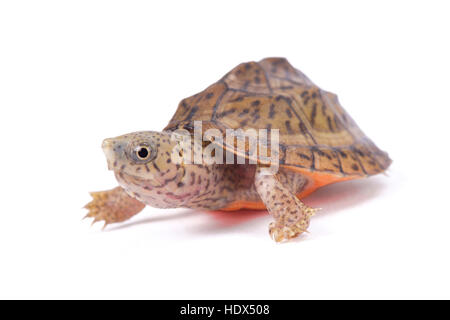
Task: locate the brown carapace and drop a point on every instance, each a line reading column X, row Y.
column 318, row 138
column 319, row 144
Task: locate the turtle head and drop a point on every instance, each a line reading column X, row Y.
column 133, row 152
column 142, row 163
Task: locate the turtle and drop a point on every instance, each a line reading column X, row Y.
column 318, row 144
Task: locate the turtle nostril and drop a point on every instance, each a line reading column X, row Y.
column 108, row 147
column 107, row 144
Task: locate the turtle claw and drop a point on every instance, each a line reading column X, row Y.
column 112, row 206
column 282, row 230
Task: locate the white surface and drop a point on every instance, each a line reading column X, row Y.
column 73, row 73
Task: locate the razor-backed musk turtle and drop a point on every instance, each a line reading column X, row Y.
column 319, row 144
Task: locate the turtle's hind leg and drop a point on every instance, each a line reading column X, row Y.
column 113, row 205
column 290, row 214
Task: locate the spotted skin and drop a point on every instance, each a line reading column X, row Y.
column 290, row 214
column 113, row 206
column 319, row 144
column 162, row 183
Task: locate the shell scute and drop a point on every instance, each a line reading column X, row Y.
column 326, row 159
column 282, row 75
column 198, row 107
column 249, row 76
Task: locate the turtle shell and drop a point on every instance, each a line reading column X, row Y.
column 317, row 136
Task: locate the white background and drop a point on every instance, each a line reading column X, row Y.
column 75, row 72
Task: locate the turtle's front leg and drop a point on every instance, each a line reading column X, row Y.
column 290, row 214
column 113, row 205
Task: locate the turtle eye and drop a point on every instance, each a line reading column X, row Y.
column 142, row 153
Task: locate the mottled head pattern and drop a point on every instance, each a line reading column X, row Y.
column 142, row 163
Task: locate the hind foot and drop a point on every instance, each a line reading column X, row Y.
column 291, row 224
